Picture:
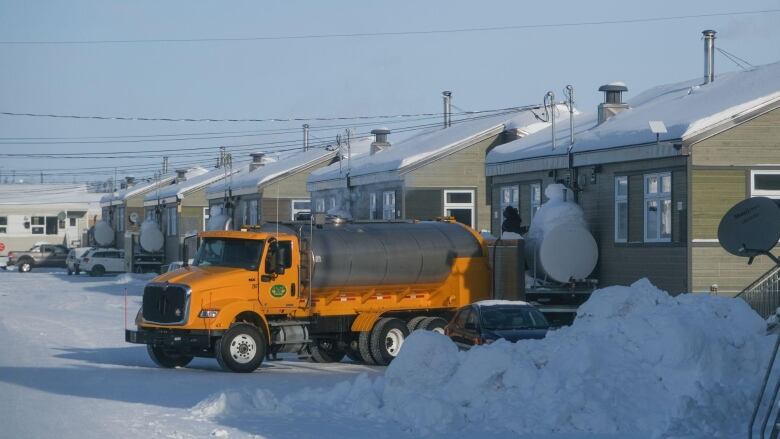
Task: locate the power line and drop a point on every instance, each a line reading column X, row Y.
column 390, row 33
column 270, row 119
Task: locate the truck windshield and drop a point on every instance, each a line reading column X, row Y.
column 229, row 252
column 512, row 317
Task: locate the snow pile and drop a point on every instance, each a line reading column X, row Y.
column 558, row 210
column 636, row 362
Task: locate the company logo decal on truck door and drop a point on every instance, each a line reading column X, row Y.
column 278, row 290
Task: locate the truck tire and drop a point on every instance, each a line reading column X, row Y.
column 364, row 347
column 325, row 351
column 97, row 270
column 25, row 265
column 241, row 349
column 435, row 324
column 387, row 337
column 414, row 323
column 167, row 359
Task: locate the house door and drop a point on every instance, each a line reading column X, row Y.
column 51, row 225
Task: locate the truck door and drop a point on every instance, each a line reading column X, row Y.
column 279, row 278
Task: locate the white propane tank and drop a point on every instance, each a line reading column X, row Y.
column 151, row 239
column 218, row 220
column 103, row 233
column 559, row 246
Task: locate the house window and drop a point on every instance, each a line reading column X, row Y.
column 510, row 196
column 120, row 219
column 621, row 208
column 460, row 205
column 320, row 205
column 331, row 204
column 38, row 224
column 372, row 206
column 171, row 220
column 536, row 198
column 252, row 207
column 658, row 207
column 388, row 205
column 3, row 224
column 72, row 221
column 300, row 206
column 765, row 184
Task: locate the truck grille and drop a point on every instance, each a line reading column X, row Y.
column 166, row 303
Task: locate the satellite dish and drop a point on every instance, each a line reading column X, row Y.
column 133, row 217
column 751, row 227
column 61, row 216
column 103, row 233
column 151, row 238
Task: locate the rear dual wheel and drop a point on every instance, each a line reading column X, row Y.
column 383, row 343
column 326, row 351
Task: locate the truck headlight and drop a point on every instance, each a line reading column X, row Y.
column 208, row 313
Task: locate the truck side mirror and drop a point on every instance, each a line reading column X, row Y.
column 272, row 258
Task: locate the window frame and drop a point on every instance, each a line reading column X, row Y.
column 514, row 199
column 295, row 211
column 620, row 199
column 660, row 197
column 535, row 198
column 388, row 214
column 171, row 221
column 120, row 218
column 4, row 226
column 471, row 206
column 319, row 205
column 372, row 206
column 40, row 227
column 774, row 194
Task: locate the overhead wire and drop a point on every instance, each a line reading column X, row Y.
column 389, row 33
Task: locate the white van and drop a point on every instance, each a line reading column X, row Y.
column 99, row 261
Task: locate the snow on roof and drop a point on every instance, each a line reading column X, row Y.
column 686, row 108
column 140, row 188
column 49, row 194
column 189, row 185
column 500, row 302
column 432, row 143
column 284, row 165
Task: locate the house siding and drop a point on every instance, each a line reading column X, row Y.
column 753, row 142
column 424, row 204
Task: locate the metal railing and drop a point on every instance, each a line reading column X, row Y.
column 763, row 295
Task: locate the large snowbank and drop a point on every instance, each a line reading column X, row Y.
column 635, row 363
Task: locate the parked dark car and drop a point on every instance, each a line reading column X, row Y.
column 489, row 320
column 41, row 255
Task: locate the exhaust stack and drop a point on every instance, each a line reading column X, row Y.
column 709, row 55
column 181, row 175
column 257, row 160
column 447, row 96
column 380, row 143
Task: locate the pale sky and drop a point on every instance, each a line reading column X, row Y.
column 329, row 76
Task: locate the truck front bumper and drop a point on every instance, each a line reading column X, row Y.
column 181, row 340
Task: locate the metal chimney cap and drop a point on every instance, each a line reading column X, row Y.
column 709, row 33
column 614, row 86
column 257, row 155
column 380, row 131
column 446, row 93
column 181, row 172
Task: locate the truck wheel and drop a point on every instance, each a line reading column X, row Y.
column 97, row 270
column 387, row 337
column 435, row 324
column 325, row 351
column 414, row 323
column 364, row 348
column 167, row 359
column 25, row 266
column 242, row 348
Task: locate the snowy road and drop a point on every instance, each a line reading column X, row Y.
column 65, row 370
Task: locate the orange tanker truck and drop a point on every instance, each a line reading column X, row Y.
column 353, row 289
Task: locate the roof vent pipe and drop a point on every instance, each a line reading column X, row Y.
column 551, row 97
column 380, row 140
column 257, row 160
column 447, row 96
column 181, row 175
column 305, row 137
column 613, row 100
column 709, row 55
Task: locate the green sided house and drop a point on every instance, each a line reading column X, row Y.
column 269, row 189
column 124, row 210
column 434, row 173
column 181, row 209
column 655, row 175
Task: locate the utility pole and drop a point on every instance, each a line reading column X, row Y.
column 165, row 165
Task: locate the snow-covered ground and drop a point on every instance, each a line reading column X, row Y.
column 636, row 364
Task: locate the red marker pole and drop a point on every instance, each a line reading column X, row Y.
column 125, row 309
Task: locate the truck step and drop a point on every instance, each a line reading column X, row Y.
column 288, row 323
